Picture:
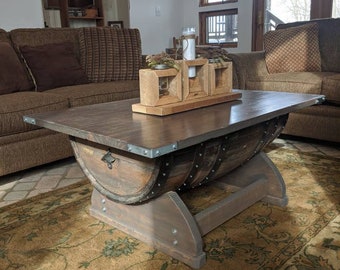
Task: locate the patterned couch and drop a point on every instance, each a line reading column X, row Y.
column 53, row 69
column 299, row 57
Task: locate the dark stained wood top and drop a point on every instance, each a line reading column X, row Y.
column 115, row 125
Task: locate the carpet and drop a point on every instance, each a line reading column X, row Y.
column 54, row 230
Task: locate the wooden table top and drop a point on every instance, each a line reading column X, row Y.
column 115, row 125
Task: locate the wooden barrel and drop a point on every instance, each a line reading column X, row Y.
column 128, row 178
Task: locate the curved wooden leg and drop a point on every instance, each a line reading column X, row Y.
column 260, row 167
column 256, row 180
column 164, row 222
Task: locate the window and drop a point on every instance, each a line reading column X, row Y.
column 214, row 2
column 283, row 11
column 219, row 28
column 269, row 13
column 336, row 9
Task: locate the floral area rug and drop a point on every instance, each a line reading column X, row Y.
column 54, row 231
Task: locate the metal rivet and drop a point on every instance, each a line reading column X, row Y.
column 174, row 231
column 196, row 166
column 174, row 146
column 158, row 153
column 145, row 152
column 175, row 242
column 190, row 176
column 103, row 201
column 200, row 154
column 212, row 170
column 164, row 174
column 167, row 164
column 104, row 209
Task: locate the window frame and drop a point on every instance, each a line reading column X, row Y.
column 319, row 9
column 203, row 29
column 204, row 3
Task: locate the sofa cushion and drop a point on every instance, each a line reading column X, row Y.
column 293, row 49
column 14, row 106
column 331, row 88
column 109, row 54
column 329, row 41
column 317, row 122
column 53, row 65
column 41, row 36
column 79, row 95
column 13, row 76
column 302, row 82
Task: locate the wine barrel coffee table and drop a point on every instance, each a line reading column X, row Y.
column 139, row 164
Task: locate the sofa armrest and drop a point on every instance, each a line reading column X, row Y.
column 247, row 65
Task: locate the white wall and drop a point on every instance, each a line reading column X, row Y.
column 157, row 31
column 21, row 14
column 110, row 10
column 117, row 10
column 123, row 12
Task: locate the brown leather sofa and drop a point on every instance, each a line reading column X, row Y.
column 54, row 69
column 304, row 58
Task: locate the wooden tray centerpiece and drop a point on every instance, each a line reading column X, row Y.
column 170, row 90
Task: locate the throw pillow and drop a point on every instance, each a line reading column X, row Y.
column 53, row 65
column 293, row 49
column 13, row 77
column 109, row 54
